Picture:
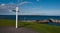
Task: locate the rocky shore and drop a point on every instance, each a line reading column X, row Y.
column 43, row 21
column 49, row 20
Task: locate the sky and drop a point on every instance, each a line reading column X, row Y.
column 30, row 7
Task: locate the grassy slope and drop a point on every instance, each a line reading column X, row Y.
column 42, row 28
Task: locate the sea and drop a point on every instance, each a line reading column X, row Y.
column 31, row 17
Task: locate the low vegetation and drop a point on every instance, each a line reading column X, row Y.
column 42, row 28
column 4, row 23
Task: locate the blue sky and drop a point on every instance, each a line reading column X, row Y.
column 30, row 7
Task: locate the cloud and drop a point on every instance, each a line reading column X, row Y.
column 2, row 4
column 7, row 7
column 11, row 6
column 4, row 8
column 48, row 12
column 24, row 3
column 44, row 12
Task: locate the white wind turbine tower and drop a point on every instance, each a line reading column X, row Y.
column 16, row 17
column 17, row 9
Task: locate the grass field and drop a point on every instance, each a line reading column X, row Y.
column 4, row 23
column 42, row 28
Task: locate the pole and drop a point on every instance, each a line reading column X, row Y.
column 16, row 17
column 17, row 9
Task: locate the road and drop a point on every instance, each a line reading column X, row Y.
column 14, row 30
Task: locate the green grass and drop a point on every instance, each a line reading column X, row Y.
column 4, row 22
column 42, row 28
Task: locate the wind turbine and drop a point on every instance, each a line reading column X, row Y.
column 17, row 9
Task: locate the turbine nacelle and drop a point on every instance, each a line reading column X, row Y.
column 15, row 10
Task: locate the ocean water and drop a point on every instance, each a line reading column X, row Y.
column 38, row 17
column 31, row 17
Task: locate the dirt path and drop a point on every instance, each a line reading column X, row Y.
column 14, row 30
